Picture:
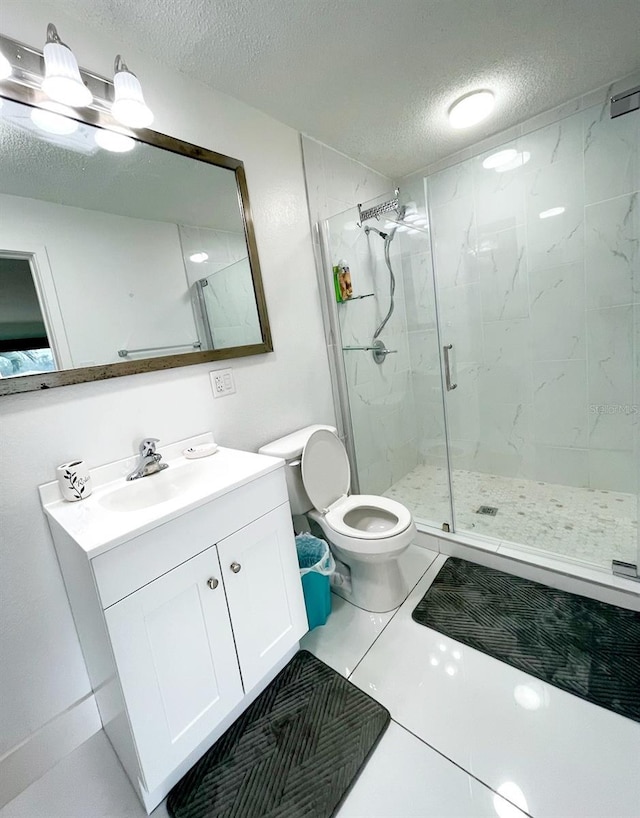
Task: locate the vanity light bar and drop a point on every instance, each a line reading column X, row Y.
column 124, row 353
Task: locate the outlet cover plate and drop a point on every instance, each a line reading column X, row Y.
column 222, row 383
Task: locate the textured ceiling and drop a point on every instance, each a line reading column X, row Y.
column 374, row 78
column 146, row 183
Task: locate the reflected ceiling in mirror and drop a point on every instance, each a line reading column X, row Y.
column 119, row 253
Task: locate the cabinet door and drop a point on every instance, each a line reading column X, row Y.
column 262, row 581
column 175, row 654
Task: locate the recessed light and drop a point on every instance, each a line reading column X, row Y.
column 553, row 211
column 53, row 117
column 518, row 161
column 471, row 108
column 198, row 258
column 114, row 142
column 500, row 158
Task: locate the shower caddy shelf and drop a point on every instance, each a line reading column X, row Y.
column 356, row 298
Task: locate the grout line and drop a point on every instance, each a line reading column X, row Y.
column 459, row 766
column 391, row 618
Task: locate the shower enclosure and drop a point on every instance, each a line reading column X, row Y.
column 508, row 404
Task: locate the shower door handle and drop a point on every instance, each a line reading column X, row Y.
column 447, row 368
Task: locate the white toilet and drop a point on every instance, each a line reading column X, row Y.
column 366, row 532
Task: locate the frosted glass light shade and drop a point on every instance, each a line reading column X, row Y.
column 471, row 108
column 62, row 81
column 129, row 106
column 5, row 67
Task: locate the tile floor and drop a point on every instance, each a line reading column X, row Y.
column 585, row 524
column 469, row 738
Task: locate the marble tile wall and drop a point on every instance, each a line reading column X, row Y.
column 381, row 400
column 542, row 311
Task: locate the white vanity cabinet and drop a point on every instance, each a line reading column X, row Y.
column 184, row 624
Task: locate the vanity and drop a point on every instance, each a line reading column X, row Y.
column 186, row 596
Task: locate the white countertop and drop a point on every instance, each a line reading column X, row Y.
column 96, row 527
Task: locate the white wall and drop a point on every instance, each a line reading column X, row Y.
column 42, row 668
column 120, row 282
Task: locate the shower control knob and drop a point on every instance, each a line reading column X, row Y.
column 235, row 567
column 212, row 582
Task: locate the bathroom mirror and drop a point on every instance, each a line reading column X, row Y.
column 119, row 253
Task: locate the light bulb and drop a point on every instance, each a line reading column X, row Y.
column 129, row 106
column 114, row 142
column 5, row 67
column 471, row 109
column 198, row 258
column 62, row 81
column 54, row 118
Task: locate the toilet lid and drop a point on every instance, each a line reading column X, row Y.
column 325, row 469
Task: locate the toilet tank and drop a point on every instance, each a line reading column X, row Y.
column 290, row 449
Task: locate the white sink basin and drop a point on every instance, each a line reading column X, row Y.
column 119, row 510
column 145, row 492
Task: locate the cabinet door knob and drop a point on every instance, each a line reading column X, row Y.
column 235, row 567
column 212, row 582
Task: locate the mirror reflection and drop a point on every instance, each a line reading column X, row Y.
column 114, row 250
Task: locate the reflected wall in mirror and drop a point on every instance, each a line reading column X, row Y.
column 118, row 255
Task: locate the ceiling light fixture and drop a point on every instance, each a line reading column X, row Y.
column 114, row 142
column 5, row 67
column 504, row 157
column 471, row 109
column 198, row 258
column 129, row 106
column 54, row 118
column 62, row 81
column 553, row 211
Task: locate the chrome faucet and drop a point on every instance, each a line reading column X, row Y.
column 149, row 462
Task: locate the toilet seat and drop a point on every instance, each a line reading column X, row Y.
column 335, row 517
column 326, row 475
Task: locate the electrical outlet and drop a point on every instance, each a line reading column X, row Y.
column 222, row 382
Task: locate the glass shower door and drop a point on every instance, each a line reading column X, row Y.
column 536, row 248
column 394, row 421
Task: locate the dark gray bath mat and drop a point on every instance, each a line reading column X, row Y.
column 580, row 645
column 292, row 754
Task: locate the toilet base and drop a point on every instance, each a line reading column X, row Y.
column 375, row 586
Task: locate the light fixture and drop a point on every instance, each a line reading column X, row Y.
column 54, row 118
column 114, row 142
column 198, row 258
column 553, row 211
column 5, row 67
column 518, row 161
column 504, row 157
column 129, row 106
column 62, row 81
column 471, row 109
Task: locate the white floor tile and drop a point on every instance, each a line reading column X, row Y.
column 350, row 631
column 347, row 636
column 568, row 757
column 406, row 778
column 88, row 783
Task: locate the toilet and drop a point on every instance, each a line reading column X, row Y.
column 366, row 532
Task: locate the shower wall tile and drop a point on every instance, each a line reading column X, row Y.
column 454, row 243
column 611, row 154
column 502, row 270
column 610, row 356
column 506, row 376
column 612, row 251
column 453, row 183
column 557, row 239
column 499, row 196
column 565, row 466
column 557, row 308
column 463, row 407
column 419, row 294
column 612, row 427
column 558, row 142
column 461, row 322
column 614, row 471
column 560, row 403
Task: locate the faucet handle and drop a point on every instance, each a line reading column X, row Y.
column 148, row 446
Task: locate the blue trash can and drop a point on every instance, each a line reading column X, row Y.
column 316, row 566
